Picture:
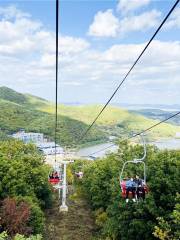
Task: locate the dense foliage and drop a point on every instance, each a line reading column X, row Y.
column 24, row 189
column 169, row 229
column 116, row 218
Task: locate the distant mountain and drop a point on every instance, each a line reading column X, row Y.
column 114, row 120
column 36, row 114
column 159, row 115
column 170, row 107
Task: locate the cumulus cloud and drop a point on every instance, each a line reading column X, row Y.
column 142, row 22
column 130, row 5
column 84, row 70
column 105, row 24
column 12, row 12
column 72, row 45
column 109, row 24
column 174, row 19
column 19, row 33
column 27, row 50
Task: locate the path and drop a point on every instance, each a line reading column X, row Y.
column 76, row 224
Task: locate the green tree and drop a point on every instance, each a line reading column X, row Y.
column 133, row 221
column 23, row 177
column 169, row 229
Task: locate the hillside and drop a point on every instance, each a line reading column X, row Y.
column 114, row 120
column 36, row 114
column 158, row 114
column 15, row 116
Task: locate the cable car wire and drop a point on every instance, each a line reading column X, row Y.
column 57, row 51
column 142, row 132
column 132, row 67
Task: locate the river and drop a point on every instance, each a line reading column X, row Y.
column 93, row 150
column 168, row 144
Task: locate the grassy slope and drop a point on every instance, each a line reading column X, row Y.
column 113, row 120
column 14, row 116
column 111, row 117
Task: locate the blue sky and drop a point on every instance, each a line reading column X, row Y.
column 99, row 42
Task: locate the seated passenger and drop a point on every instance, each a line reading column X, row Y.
column 51, row 176
column 130, row 187
column 139, row 187
column 56, row 176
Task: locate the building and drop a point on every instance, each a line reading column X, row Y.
column 30, row 137
column 48, row 148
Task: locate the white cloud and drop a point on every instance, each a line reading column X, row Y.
column 72, row 45
column 174, row 19
column 105, row 24
column 129, row 5
column 20, row 34
column 12, row 12
column 27, row 51
column 142, row 22
column 27, row 63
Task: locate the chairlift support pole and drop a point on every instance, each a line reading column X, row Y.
column 63, row 206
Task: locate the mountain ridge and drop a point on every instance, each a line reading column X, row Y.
column 114, row 121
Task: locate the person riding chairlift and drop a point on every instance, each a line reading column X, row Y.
column 130, row 187
column 139, row 187
column 54, row 175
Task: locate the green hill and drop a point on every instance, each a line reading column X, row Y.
column 11, row 95
column 114, row 120
column 37, row 114
column 15, row 116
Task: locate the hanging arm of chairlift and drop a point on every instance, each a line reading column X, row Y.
column 140, row 160
column 124, row 165
column 136, row 160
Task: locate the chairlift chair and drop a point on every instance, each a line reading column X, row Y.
column 134, row 161
column 55, row 176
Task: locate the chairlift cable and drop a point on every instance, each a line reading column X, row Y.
column 57, row 51
column 132, row 67
column 140, row 133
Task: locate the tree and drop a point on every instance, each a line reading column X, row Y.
column 133, row 221
column 169, row 229
column 23, row 178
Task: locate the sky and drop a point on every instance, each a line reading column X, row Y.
column 99, row 41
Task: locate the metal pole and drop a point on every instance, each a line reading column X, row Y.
column 59, row 193
column 64, row 207
column 144, row 146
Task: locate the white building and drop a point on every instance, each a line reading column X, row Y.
column 29, row 137
column 48, row 148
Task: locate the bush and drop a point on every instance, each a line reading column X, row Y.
column 23, row 178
